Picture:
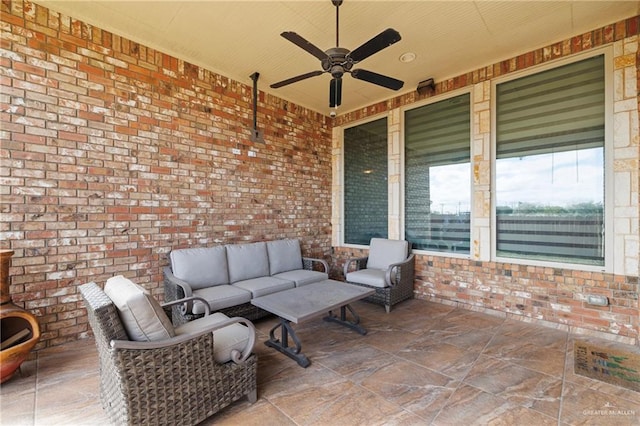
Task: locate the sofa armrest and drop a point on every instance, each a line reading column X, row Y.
column 176, row 288
column 207, row 310
column 236, row 356
column 309, row 262
column 357, row 262
column 400, row 272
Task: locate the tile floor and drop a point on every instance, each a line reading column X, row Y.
column 423, row 364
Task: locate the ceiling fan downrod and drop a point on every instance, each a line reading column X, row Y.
column 337, row 4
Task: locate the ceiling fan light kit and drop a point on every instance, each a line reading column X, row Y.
column 338, row 60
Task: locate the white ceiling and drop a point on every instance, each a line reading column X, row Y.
column 238, row 38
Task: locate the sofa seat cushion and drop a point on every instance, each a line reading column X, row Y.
column 220, row 297
column 225, row 340
column 371, row 277
column 247, row 261
column 383, row 252
column 142, row 316
column 302, row 276
column 284, row 255
column 264, row 285
column 200, row 267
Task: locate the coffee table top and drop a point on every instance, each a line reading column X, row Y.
column 302, row 303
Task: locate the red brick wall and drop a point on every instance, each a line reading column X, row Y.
column 114, row 153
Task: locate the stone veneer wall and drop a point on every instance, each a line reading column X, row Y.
column 551, row 295
column 114, row 153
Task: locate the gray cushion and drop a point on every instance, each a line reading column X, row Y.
column 264, row 285
column 372, row 277
column 226, row 339
column 142, row 316
column 220, row 297
column 200, row 267
column 303, row 276
column 383, row 252
column 247, row 261
column 284, row 255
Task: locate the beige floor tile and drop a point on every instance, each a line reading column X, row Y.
column 18, row 396
column 444, row 358
column 516, row 384
column 355, row 362
column 472, row 406
column 582, row 405
column 262, row 413
column 418, row 390
column 538, row 349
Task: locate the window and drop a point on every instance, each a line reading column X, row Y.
column 365, row 182
column 437, row 175
column 550, row 165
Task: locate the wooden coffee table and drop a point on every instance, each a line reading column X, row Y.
column 303, row 303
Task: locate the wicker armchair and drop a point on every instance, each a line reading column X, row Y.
column 389, row 269
column 175, row 381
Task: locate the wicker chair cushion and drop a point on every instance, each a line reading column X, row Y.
column 264, row 285
column 225, row 340
column 142, row 316
column 302, row 276
column 247, row 261
column 200, row 267
column 220, row 297
column 284, row 255
column 383, row 252
column 372, row 277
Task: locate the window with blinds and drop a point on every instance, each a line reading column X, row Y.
column 437, row 175
column 365, row 182
column 550, row 165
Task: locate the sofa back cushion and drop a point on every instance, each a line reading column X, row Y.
column 284, row 255
column 383, row 252
column 200, row 267
column 142, row 316
column 247, row 261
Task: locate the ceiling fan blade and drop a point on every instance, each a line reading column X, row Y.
column 296, row 78
column 379, row 79
column 304, row 44
column 335, row 92
column 376, row 44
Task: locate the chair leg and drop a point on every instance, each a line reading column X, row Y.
column 252, row 396
column 387, row 308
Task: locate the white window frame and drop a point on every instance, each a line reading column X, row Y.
column 608, row 163
column 432, row 100
column 340, row 174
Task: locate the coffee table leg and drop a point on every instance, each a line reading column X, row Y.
column 282, row 344
column 342, row 319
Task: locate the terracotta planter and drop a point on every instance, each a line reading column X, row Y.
column 19, row 329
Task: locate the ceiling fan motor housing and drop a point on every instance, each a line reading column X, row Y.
column 337, row 61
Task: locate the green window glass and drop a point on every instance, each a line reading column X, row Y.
column 550, row 165
column 365, row 182
column 437, row 175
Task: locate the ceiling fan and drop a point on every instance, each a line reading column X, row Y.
column 337, row 61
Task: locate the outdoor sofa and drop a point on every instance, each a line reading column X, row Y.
column 228, row 276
